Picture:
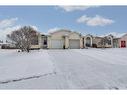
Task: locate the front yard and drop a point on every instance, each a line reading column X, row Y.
column 64, row 69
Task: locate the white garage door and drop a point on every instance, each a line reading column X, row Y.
column 57, row 44
column 74, row 44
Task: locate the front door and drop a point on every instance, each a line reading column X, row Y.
column 123, row 44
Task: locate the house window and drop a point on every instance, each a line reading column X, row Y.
column 88, row 42
column 109, row 41
column 45, row 41
column 35, row 41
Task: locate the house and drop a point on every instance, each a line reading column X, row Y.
column 7, row 45
column 120, row 41
column 64, row 39
column 67, row 39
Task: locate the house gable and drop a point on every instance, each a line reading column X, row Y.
column 59, row 34
column 74, row 35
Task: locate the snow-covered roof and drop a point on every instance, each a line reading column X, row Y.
column 114, row 34
column 59, row 30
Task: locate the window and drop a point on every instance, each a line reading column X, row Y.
column 109, row 42
column 35, row 41
column 45, row 41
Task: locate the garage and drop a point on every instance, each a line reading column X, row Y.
column 74, row 44
column 57, row 44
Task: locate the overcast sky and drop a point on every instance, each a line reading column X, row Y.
column 97, row 20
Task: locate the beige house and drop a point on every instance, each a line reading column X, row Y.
column 64, row 39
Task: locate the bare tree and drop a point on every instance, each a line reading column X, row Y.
column 23, row 37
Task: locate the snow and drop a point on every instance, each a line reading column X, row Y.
column 115, row 34
column 64, row 69
column 15, row 65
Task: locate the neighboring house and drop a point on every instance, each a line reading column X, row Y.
column 64, row 39
column 120, row 41
column 6, row 45
column 123, row 41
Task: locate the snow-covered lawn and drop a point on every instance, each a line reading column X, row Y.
column 64, row 69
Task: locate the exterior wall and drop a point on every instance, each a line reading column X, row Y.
column 74, row 36
column 39, row 40
column 35, row 46
column 97, row 41
column 81, row 42
column 59, row 34
column 49, row 42
column 66, row 42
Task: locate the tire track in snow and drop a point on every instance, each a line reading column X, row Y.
column 26, row 78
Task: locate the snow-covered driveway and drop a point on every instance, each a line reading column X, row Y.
column 65, row 69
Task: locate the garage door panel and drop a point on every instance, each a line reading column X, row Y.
column 74, row 44
column 57, row 44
